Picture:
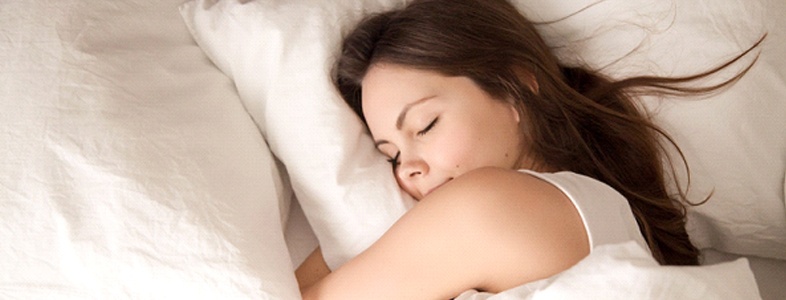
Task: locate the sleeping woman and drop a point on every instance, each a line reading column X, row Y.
column 521, row 165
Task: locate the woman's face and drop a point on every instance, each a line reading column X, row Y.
column 436, row 128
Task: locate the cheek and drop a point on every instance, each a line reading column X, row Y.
column 454, row 151
column 491, row 144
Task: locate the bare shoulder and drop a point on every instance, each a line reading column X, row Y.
column 526, row 228
column 489, row 229
column 495, row 183
column 497, row 190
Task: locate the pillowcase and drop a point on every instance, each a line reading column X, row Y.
column 129, row 169
column 733, row 140
column 280, row 52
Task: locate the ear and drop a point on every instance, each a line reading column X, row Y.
column 515, row 112
column 528, row 79
column 532, row 83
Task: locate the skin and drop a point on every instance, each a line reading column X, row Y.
column 449, row 126
column 479, row 223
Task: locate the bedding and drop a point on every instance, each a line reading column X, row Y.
column 128, row 167
column 142, row 156
column 628, row 271
column 732, row 130
column 315, row 135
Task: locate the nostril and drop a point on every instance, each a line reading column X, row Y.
column 413, row 174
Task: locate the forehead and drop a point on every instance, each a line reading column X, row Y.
column 389, row 86
column 393, row 80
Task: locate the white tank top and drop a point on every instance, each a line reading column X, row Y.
column 605, row 212
column 606, row 215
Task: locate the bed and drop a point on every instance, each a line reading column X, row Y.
column 195, row 148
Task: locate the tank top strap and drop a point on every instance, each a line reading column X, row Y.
column 606, row 214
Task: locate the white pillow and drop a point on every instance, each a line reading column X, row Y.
column 280, row 53
column 734, row 140
column 129, row 169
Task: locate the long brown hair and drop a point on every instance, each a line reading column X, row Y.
column 578, row 120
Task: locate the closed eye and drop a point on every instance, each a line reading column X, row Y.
column 429, row 127
column 394, row 161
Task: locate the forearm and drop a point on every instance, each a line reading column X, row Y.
column 312, row 270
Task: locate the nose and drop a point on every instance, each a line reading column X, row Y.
column 412, row 168
column 410, row 172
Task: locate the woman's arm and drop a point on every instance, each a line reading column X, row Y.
column 491, row 229
column 311, row 270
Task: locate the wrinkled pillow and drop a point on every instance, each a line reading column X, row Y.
column 279, row 54
column 129, row 169
column 734, row 140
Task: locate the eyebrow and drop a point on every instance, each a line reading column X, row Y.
column 405, row 110
column 403, row 115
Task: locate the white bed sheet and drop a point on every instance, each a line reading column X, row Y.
column 769, row 273
column 628, row 271
column 128, row 167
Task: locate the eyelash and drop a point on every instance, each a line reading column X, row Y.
column 430, row 125
column 394, row 161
